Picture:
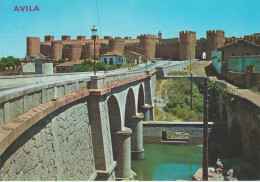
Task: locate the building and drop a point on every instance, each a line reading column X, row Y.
column 37, row 67
column 238, row 48
column 67, row 66
column 239, row 63
column 113, row 58
column 133, row 57
column 244, row 71
column 217, row 60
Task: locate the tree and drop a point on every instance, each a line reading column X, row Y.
column 143, row 59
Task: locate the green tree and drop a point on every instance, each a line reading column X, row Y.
column 143, row 59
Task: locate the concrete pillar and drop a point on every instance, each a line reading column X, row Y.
column 97, row 81
column 137, row 147
column 123, row 158
column 146, row 109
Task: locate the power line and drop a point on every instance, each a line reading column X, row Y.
column 98, row 21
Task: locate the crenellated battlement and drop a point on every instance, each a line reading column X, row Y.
column 48, row 38
column 66, row 37
column 132, row 44
column 187, row 33
column 167, row 43
column 127, row 38
column 81, row 37
column 107, row 37
column 145, row 36
column 213, row 32
column 33, row 38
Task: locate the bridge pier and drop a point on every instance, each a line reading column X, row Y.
column 102, row 145
column 123, row 145
column 147, row 111
column 137, row 148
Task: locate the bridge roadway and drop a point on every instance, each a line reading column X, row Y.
column 12, row 82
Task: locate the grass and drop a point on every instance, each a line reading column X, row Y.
column 177, row 73
column 255, row 90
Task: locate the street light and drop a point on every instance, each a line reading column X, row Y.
column 94, row 35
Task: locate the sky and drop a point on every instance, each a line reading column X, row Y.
column 122, row 18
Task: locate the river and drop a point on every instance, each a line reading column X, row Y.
column 168, row 162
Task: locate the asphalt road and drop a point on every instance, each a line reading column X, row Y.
column 157, row 64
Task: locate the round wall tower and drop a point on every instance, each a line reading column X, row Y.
column 75, row 52
column 148, row 43
column 89, row 50
column 215, row 40
column 187, row 45
column 116, row 44
column 33, row 46
column 56, row 50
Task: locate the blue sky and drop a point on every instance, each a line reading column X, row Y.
column 122, row 18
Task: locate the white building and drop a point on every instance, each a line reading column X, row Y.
column 113, row 58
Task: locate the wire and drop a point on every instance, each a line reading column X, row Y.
column 98, row 21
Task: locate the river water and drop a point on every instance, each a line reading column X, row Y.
column 168, row 162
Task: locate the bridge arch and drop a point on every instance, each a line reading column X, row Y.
column 114, row 120
column 140, row 98
column 130, row 107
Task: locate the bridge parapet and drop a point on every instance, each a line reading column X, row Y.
column 17, row 101
column 164, row 70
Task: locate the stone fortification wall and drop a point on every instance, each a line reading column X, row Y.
column 168, row 50
column 58, row 147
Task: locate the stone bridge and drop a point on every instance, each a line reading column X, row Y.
column 239, row 110
column 81, row 129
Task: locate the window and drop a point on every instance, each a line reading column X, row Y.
column 105, row 60
column 247, row 54
column 233, row 54
column 111, row 61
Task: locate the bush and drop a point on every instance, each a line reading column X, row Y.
column 178, row 93
column 87, row 65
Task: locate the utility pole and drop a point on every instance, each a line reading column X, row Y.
column 190, row 84
column 205, row 132
column 146, row 61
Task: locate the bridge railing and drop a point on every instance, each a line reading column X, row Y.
column 223, row 84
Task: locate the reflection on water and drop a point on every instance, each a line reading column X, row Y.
column 168, row 162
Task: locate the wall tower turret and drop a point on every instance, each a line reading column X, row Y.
column 116, row 44
column 187, row 45
column 215, row 40
column 56, row 50
column 75, row 52
column 148, row 43
column 33, row 46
